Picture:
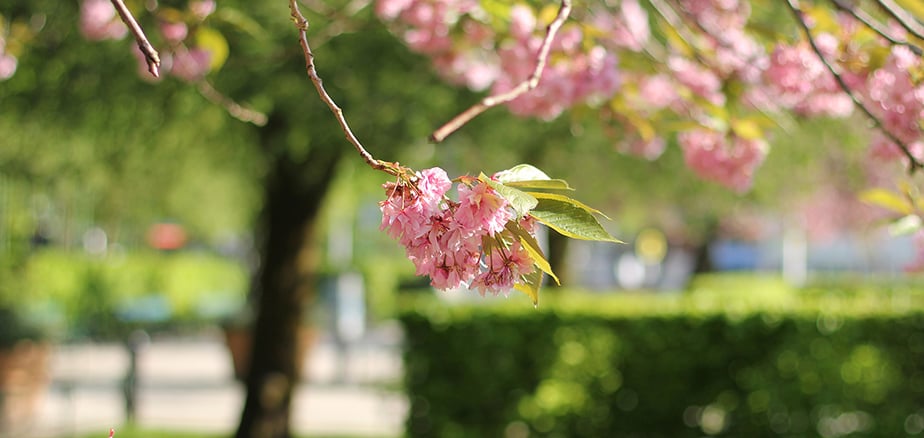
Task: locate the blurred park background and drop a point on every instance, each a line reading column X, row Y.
column 132, row 216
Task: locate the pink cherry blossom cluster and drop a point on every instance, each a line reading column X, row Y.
column 721, row 64
column 724, row 158
column 180, row 57
column 700, row 80
column 580, row 69
column 798, row 80
column 728, row 48
column 426, row 25
column 445, row 239
column 574, row 75
column 898, row 101
column 627, row 28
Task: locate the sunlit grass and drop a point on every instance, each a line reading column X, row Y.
column 141, row 432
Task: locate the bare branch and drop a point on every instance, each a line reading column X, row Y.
column 233, row 108
column 675, row 21
column 144, row 45
column 529, row 84
column 913, row 163
column 901, row 15
column 872, row 24
column 302, row 25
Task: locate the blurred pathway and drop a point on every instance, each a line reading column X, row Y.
column 188, row 385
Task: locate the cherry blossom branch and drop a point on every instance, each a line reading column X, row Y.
column 913, row 163
column 301, row 23
column 674, row 20
column 904, row 19
column 233, row 108
column 870, row 22
column 527, row 85
column 150, row 55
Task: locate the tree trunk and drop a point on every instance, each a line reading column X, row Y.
column 558, row 258
column 701, row 252
column 285, row 283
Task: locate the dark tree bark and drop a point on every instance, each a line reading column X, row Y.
column 701, row 252
column 285, row 283
column 558, row 258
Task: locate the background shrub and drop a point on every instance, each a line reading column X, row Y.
column 82, row 296
column 668, row 366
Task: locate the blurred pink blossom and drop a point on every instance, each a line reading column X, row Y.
column 657, row 92
column 701, row 81
column 716, row 157
column 522, row 21
column 191, row 65
column 202, row 8
column 649, row 150
column 8, row 65
column 174, row 32
column 899, row 102
column 99, row 21
column 626, row 29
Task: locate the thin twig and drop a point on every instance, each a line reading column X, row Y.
column 529, row 84
column 233, row 108
column 872, row 24
column 150, row 55
column 301, row 23
column 913, row 163
column 901, row 15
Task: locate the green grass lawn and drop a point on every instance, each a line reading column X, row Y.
column 137, row 432
column 134, row 432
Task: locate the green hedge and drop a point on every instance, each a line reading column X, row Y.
column 85, row 295
column 646, row 366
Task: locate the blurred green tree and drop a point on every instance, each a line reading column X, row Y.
column 90, row 127
column 79, row 123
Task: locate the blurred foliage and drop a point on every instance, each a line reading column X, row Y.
column 130, row 431
column 708, row 362
column 79, row 295
column 14, row 328
column 88, row 143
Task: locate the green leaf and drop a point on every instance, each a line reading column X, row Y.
column 643, row 125
column 886, row 199
column 571, row 220
column 913, row 7
column 521, row 172
column 675, row 40
column 496, row 8
column 532, row 248
column 747, row 129
column 487, row 244
column 906, row 225
column 213, row 41
column 530, row 177
column 547, row 184
column 533, row 281
column 521, row 201
column 563, row 198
